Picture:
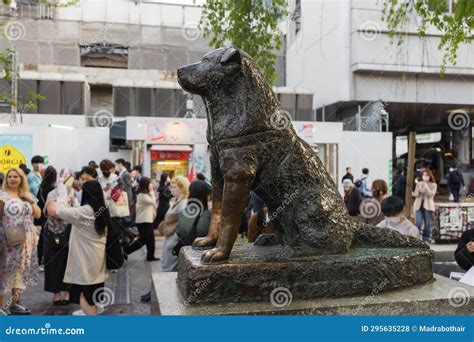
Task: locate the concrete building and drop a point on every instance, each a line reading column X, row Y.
column 341, row 51
column 101, row 62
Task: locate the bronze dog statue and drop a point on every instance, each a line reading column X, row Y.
column 255, row 147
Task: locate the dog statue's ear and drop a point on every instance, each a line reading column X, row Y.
column 231, row 56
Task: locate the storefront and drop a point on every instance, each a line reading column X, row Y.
column 177, row 147
column 170, row 159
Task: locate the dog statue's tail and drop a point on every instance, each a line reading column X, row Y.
column 368, row 235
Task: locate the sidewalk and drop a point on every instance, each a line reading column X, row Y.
column 127, row 285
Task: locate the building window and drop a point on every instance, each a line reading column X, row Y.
column 444, row 6
column 304, row 108
column 149, row 102
column 60, row 97
column 288, row 103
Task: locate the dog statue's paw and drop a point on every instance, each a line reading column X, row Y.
column 205, row 242
column 214, row 256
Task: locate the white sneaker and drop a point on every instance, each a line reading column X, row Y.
column 79, row 312
column 41, row 268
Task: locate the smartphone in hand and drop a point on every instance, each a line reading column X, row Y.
column 68, row 182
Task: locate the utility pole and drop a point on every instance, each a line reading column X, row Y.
column 14, row 90
column 410, row 174
column 15, row 72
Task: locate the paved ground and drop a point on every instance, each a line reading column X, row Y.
column 127, row 285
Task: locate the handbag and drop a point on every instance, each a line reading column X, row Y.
column 15, row 235
column 119, row 205
column 169, row 224
column 114, row 258
column 57, row 234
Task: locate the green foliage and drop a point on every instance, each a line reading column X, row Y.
column 457, row 27
column 249, row 25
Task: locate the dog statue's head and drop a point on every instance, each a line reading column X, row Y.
column 238, row 99
column 214, row 70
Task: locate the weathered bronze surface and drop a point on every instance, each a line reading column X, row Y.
column 427, row 299
column 252, row 273
column 255, row 147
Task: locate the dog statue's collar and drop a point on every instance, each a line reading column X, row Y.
column 253, row 139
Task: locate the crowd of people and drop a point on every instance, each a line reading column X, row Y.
column 77, row 226
column 392, row 208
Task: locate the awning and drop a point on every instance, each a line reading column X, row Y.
column 183, row 148
column 119, row 130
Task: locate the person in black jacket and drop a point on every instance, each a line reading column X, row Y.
column 464, row 254
column 455, row 182
column 400, row 183
column 352, row 197
column 348, row 175
column 164, row 196
column 48, row 184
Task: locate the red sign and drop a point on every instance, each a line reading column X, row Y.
column 169, row 155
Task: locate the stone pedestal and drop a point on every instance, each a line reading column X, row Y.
column 255, row 273
column 441, row 296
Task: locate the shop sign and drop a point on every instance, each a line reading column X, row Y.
column 15, row 149
column 169, row 155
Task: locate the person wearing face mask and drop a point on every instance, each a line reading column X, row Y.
column 125, row 177
column 392, row 209
column 34, row 177
column 352, row 197
column 455, row 182
column 424, row 204
column 116, row 199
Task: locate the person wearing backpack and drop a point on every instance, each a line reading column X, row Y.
column 455, row 181
column 362, row 184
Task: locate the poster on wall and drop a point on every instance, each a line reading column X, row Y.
column 15, row 149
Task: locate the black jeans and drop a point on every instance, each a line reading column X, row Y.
column 146, row 237
column 455, row 192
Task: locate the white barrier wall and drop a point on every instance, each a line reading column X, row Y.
column 73, row 148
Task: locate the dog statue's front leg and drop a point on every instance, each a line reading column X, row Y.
column 233, row 205
column 211, row 239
